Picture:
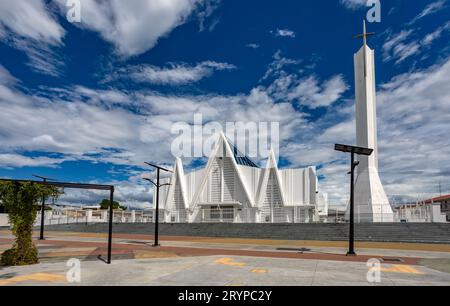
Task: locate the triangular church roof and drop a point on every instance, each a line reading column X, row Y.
column 241, row 159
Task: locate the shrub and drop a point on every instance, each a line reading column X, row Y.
column 21, row 200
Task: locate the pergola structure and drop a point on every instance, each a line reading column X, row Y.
column 109, row 188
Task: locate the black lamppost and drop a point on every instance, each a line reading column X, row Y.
column 157, row 185
column 44, row 179
column 358, row 151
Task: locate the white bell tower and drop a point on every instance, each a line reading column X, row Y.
column 371, row 202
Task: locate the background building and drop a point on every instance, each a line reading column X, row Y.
column 436, row 210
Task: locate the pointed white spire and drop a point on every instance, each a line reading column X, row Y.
column 370, row 198
column 272, row 161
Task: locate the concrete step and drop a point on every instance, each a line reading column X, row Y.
column 431, row 233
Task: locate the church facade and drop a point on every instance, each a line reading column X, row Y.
column 232, row 188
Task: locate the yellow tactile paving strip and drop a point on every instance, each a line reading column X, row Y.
column 401, row 269
column 230, row 262
column 37, row 277
column 149, row 255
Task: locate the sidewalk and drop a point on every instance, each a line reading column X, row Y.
column 221, row 261
column 128, row 246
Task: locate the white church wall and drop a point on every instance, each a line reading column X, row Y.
column 313, row 185
column 252, row 177
column 193, row 181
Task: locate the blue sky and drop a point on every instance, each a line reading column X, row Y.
column 91, row 101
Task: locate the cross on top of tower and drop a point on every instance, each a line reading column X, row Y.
column 364, row 35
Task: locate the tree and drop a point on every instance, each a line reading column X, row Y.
column 104, row 204
column 21, row 201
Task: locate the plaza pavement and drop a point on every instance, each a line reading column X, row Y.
column 221, row 261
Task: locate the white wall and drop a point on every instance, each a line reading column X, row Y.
column 3, row 219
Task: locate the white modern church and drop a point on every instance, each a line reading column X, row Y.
column 232, row 188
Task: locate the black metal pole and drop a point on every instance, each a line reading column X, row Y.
column 111, row 212
column 351, row 247
column 156, row 244
column 41, row 236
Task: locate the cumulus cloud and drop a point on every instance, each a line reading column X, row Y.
column 354, row 4
column 20, row 161
column 288, row 83
column 431, row 37
column 205, row 10
column 175, row 74
column 30, row 19
column 430, row 9
column 133, row 27
column 120, row 127
column 397, row 48
column 285, row 33
column 5, row 77
column 279, row 63
column 29, row 26
column 403, row 45
column 309, row 93
column 252, row 46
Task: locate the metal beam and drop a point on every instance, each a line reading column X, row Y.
column 109, row 188
column 63, row 184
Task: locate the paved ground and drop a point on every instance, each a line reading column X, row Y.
column 209, row 261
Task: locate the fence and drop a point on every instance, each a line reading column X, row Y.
column 76, row 216
column 295, row 214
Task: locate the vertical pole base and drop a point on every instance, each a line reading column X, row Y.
column 155, row 245
column 351, row 254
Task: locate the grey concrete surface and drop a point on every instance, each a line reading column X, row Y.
column 223, row 271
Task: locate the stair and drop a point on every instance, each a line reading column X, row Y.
column 398, row 232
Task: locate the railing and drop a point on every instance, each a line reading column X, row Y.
column 218, row 215
column 295, row 214
column 75, row 216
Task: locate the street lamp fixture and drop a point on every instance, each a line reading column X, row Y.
column 157, row 185
column 354, row 151
column 45, row 180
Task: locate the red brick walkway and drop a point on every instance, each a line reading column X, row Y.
column 89, row 249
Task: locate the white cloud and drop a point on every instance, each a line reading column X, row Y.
column 400, row 46
column 133, row 26
column 19, row 161
column 285, row 33
column 119, row 127
column 309, row 93
column 398, row 49
column 6, row 78
column 252, row 46
column 431, row 37
column 30, row 27
column 31, row 20
column 175, row 74
column 430, row 9
column 278, row 64
column 204, row 11
column 354, row 4
column 41, row 58
column 289, row 84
